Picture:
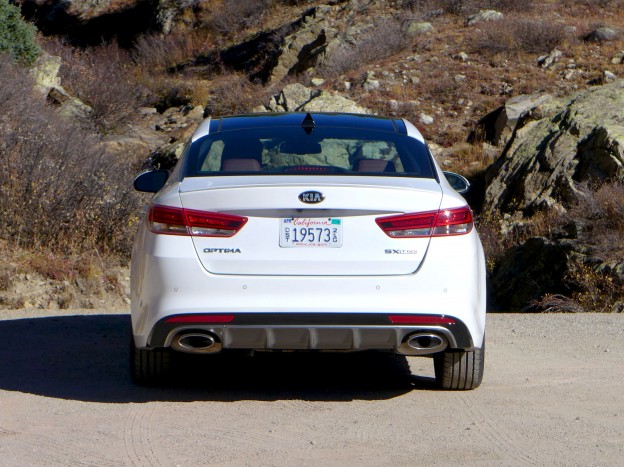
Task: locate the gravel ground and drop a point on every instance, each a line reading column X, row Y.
column 552, row 395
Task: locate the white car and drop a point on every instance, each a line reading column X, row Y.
column 308, row 232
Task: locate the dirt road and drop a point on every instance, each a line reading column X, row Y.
column 552, row 395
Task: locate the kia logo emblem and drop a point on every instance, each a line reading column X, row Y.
column 311, row 197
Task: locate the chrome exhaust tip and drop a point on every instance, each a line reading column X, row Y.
column 423, row 344
column 196, row 342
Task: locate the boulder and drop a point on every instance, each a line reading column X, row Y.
column 297, row 97
column 484, row 15
column 45, row 72
column 175, row 14
column 547, row 61
column 306, row 47
column 618, row 58
column 48, row 83
column 558, row 145
column 327, row 102
column 514, row 109
column 602, row 34
column 419, row 28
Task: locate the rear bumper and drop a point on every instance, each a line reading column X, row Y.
column 314, row 331
column 308, row 313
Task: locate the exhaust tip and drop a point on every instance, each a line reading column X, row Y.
column 196, row 342
column 423, row 344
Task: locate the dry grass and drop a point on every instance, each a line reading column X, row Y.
column 59, row 189
column 513, row 34
column 597, row 291
column 602, row 209
column 368, row 49
column 597, row 221
column 234, row 94
column 155, row 54
column 235, row 15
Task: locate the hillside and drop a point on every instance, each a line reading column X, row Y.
column 131, row 79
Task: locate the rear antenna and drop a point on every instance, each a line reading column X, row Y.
column 308, row 124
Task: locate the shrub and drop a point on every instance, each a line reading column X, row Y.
column 463, row 7
column 602, row 211
column 368, row 48
column 515, row 34
column 103, row 78
column 17, row 37
column 234, row 94
column 158, row 53
column 59, row 188
column 236, row 15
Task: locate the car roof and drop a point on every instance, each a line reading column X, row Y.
column 301, row 119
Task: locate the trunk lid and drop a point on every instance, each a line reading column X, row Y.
column 270, row 243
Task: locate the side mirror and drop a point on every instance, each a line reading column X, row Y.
column 460, row 184
column 151, row 181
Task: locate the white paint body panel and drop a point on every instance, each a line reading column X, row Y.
column 357, row 201
column 172, row 274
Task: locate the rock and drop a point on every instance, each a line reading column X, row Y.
column 425, row 119
column 294, row 96
column 602, row 34
column 562, row 143
column 69, row 106
column 461, row 56
column 330, row 103
column 306, row 47
column 47, row 82
column 45, row 72
column 317, row 82
column 419, row 28
column 514, row 109
column 497, row 127
column 370, row 84
column 609, row 77
column 145, row 111
column 547, row 61
column 527, row 272
column 618, row 58
column 297, row 97
column 175, row 14
column 483, row 15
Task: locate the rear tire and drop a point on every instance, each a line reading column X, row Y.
column 149, row 367
column 459, row 369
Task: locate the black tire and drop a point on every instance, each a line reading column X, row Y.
column 459, row 369
column 149, row 367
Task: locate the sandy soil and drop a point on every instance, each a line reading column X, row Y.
column 552, row 395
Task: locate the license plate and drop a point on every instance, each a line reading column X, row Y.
column 311, row 232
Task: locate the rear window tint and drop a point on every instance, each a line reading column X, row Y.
column 323, row 151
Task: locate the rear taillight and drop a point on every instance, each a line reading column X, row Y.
column 179, row 221
column 440, row 223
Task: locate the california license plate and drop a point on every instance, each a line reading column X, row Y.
column 323, row 232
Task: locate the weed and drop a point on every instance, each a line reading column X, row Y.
column 518, row 34
column 595, row 290
column 236, row 15
column 101, row 77
column 155, row 54
column 60, row 189
column 368, row 48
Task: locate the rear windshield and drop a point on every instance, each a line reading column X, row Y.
column 322, row 151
